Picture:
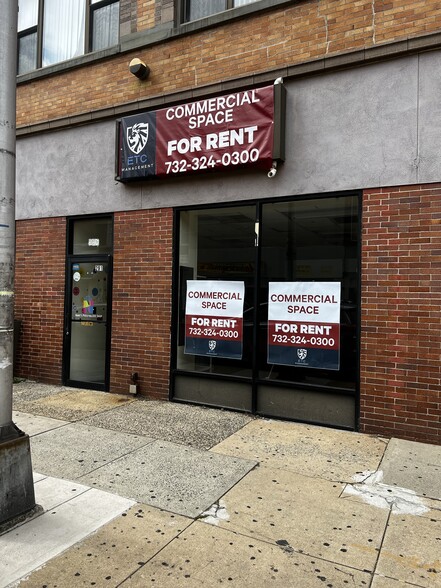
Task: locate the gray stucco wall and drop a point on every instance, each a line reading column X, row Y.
column 378, row 125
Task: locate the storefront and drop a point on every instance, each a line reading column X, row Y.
column 234, row 344
column 349, row 217
column 306, row 251
column 291, row 242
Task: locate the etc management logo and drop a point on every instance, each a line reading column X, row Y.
column 137, row 137
column 138, row 156
column 302, row 354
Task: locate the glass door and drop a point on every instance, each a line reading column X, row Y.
column 87, row 323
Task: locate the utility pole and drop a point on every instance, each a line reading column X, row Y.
column 16, row 483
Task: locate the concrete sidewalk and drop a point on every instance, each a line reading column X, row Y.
column 137, row 493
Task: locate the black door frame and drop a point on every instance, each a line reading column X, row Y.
column 98, row 259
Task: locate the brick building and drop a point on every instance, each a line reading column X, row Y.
column 104, row 267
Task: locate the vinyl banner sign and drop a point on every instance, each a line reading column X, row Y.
column 304, row 324
column 214, row 318
column 236, row 130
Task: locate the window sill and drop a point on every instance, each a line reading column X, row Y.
column 62, row 66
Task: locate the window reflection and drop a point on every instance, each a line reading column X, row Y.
column 27, row 53
column 201, row 8
column 105, row 26
column 27, row 35
column 27, row 14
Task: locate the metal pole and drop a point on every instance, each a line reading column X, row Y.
column 17, row 497
column 8, row 72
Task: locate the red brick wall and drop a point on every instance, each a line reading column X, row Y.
column 400, row 375
column 39, row 297
column 142, row 301
column 401, row 317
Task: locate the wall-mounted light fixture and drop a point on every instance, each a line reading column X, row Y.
column 139, row 69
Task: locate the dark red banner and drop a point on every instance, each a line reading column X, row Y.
column 235, row 130
column 219, row 132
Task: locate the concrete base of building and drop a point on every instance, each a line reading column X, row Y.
column 17, row 496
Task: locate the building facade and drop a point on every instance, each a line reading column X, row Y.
column 106, row 269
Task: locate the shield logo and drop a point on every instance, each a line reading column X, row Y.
column 301, row 354
column 137, row 137
column 212, row 345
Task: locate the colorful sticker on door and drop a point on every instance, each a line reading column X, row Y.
column 304, row 324
column 88, row 305
column 213, row 318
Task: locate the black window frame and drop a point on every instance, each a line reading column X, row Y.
column 216, row 383
column 35, row 29
column 87, row 257
column 38, row 28
column 93, row 7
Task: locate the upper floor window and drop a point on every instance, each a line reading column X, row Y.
column 194, row 9
column 50, row 31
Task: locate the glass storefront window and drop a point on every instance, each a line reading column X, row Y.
column 312, row 241
column 292, row 242
column 217, row 245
